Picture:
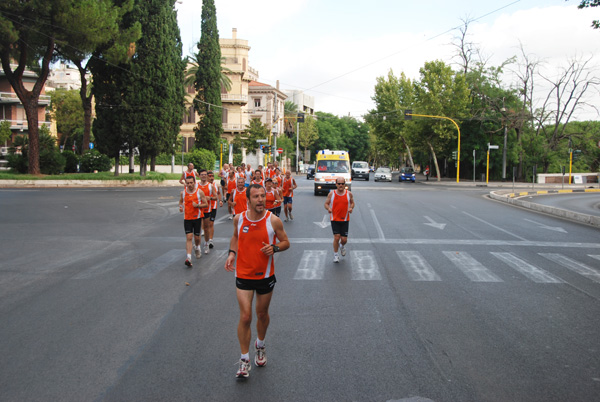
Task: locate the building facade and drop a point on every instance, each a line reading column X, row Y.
column 12, row 110
column 267, row 103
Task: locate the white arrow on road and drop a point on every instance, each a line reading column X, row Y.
column 541, row 225
column 434, row 224
column 324, row 223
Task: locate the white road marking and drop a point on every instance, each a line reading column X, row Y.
column 541, row 225
column 575, row 266
column 158, row 264
column 532, row 272
column 324, row 223
column 472, row 268
column 417, row 267
column 494, row 226
column 434, row 224
column 106, row 266
column 312, row 265
column 364, row 266
column 377, row 226
column 209, row 263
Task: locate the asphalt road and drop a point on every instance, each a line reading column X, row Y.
column 444, row 295
column 585, row 203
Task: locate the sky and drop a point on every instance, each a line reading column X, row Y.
column 335, row 49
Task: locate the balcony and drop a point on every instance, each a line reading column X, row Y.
column 10, row 97
column 228, row 127
column 234, row 98
column 22, row 125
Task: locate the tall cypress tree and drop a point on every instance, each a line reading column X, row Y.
column 208, row 82
column 153, row 92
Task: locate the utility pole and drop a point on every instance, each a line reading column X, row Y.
column 503, row 110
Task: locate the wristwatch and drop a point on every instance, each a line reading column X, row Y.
column 275, row 248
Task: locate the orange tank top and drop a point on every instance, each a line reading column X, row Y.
column 231, row 185
column 251, row 262
column 189, row 211
column 258, row 182
column 287, row 188
column 270, row 199
column 239, row 197
column 339, row 206
column 208, row 192
column 215, row 190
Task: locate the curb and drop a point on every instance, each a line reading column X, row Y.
column 513, row 198
column 86, row 183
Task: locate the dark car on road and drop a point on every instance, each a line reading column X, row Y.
column 407, row 174
column 310, row 172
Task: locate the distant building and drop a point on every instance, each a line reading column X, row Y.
column 12, row 110
column 267, row 103
column 65, row 76
column 305, row 103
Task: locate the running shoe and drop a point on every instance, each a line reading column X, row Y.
column 336, row 258
column 210, row 244
column 291, row 217
column 285, row 220
column 261, row 357
column 243, row 371
column 343, row 250
column 188, row 262
column 230, row 217
column 206, row 248
column 197, row 251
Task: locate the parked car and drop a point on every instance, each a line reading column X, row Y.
column 360, row 170
column 310, row 172
column 407, row 174
column 384, row 174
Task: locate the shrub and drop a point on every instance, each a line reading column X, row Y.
column 18, row 163
column 202, row 159
column 93, row 160
column 51, row 162
column 71, row 161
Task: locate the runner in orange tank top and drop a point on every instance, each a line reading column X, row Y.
column 208, row 190
column 257, row 235
column 339, row 204
column 191, row 201
column 238, row 201
column 230, row 187
column 288, row 186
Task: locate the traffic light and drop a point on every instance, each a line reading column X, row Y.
column 300, row 118
column 266, row 149
column 407, row 114
column 454, row 155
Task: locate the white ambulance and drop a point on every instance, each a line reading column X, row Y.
column 329, row 166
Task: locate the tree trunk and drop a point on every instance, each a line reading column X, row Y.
column 435, row 162
column 117, row 164
column 33, row 148
column 410, row 158
column 153, row 163
column 86, row 102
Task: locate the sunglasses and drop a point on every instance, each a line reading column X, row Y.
column 341, row 184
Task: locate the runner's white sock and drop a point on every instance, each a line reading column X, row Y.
column 259, row 343
column 245, row 356
column 189, row 256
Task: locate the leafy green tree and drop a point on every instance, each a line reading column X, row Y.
column 192, row 70
column 208, row 81
column 5, row 131
column 439, row 92
column 255, row 130
column 100, row 21
column 309, row 133
column 66, row 110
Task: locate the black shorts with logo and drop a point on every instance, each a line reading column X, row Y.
column 211, row 215
column 262, row 286
column 192, row 226
column 340, row 227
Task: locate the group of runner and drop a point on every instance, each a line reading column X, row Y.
column 254, row 201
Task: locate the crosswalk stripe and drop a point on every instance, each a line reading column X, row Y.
column 211, row 262
column 106, row 266
column 157, row 265
column 417, row 267
column 597, row 257
column 575, row 266
column 532, row 272
column 364, row 266
column 472, row 268
column 312, row 265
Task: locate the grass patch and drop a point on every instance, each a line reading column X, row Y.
column 151, row 176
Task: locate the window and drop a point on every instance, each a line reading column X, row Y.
column 224, row 116
column 256, row 102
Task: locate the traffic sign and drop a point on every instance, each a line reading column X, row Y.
column 262, row 141
column 280, row 150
